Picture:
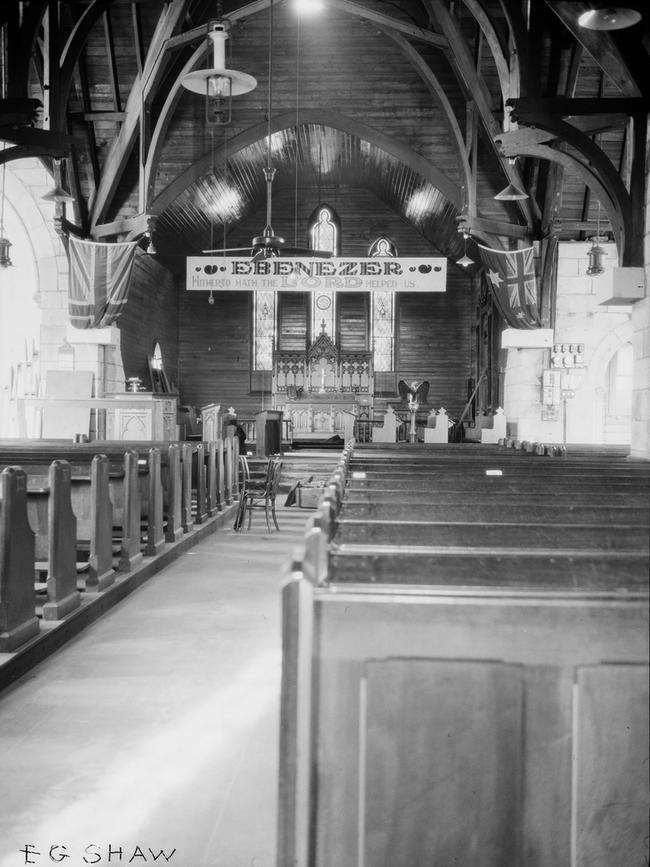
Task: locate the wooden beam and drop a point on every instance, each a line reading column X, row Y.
column 575, row 106
column 494, row 43
column 110, row 57
column 138, row 39
column 586, row 174
column 170, row 19
column 356, row 9
column 602, row 168
column 74, row 46
column 93, row 116
column 403, row 27
column 286, row 120
column 599, row 45
column 90, row 129
column 131, row 225
column 434, row 86
column 461, row 61
column 22, row 33
column 493, row 227
column 150, row 150
column 59, row 144
column 23, row 151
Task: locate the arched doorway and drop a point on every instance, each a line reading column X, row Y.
column 20, row 313
column 617, row 397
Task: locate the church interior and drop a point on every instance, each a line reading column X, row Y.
column 324, row 432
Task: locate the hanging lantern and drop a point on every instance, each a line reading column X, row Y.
column 596, row 255
column 218, row 85
column 5, row 261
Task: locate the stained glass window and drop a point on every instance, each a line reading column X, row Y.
column 264, row 330
column 382, row 246
column 383, row 317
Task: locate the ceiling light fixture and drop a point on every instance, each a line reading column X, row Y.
column 511, row 193
column 5, row 261
column 604, row 17
column 596, row 252
column 58, row 194
column 465, row 261
column 218, row 85
column 308, row 7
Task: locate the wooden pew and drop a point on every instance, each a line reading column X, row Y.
column 127, row 497
column 173, row 492
column 40, row 453
column 455, row 704
column 18, row 621
column 100, row 530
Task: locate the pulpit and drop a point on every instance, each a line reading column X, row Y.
column 268, row 432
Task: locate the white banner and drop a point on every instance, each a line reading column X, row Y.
column 339, row 274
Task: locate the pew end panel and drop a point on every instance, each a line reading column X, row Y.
column 528, row 715
column 18, row 621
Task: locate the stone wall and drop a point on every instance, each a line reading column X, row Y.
column 640, row 446
column 580, row 319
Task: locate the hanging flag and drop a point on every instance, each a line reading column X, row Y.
column 99, row 281
column 512, row 276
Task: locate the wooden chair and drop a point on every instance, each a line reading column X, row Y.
column 258, row 493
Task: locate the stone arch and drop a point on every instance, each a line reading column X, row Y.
column 32, row 286
column 597, row 372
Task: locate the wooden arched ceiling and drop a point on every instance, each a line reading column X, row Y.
column 397, row 97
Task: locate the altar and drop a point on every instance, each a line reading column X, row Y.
column 320, row 390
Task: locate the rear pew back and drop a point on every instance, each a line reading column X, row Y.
column 471, row 720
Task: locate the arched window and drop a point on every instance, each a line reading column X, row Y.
column 325, row 230
column 382, row 246
column 159, row 381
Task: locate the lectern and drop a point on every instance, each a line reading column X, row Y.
column 268, row 432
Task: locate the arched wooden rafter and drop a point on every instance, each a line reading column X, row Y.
column 630, row 247
column 391, row 28
column 572, row 164
column 146, row 84
column 145, row 87
column 287, row 120
column 438, row 92
column 462, row 62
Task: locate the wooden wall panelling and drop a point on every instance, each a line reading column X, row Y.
column 293, row 321
column 443, row 742
column 353, row 321
column 215, row 350
column 151, row 313
column 434, row 334
column 570, row 773
column 611, row 766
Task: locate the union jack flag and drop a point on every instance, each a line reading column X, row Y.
column 99, row 281
column 512, row 276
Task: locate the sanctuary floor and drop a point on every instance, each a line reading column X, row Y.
column 155, row 731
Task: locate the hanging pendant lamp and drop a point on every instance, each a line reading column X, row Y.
column 465, row 260
column 607, row 17
column 218, row 85
column 511, row 193
column 58, row 194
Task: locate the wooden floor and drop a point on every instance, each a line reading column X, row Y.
column 157, row 727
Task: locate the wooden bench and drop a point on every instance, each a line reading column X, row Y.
column 463, row 703
column 111, row 510
column 18, row 621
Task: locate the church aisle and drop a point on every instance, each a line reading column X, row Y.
column 153, row 736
